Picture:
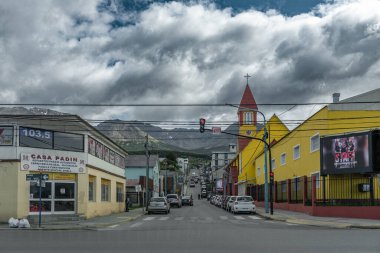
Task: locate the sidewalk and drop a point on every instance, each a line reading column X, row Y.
column 305, row 219
column 89, row 224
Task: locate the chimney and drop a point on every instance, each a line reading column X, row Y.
column 336, row 97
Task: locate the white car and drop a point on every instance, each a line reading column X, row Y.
column 243, row 204
column 230, row 203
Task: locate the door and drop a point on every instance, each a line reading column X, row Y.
column 57, row 197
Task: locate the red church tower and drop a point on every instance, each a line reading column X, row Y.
column 247, row 117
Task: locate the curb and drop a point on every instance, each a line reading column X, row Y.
column 318, row 223
column 77, row 227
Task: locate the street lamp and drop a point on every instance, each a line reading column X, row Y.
column 266, row 135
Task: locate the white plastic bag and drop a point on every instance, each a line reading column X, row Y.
column 24, row 223
column 13, row 223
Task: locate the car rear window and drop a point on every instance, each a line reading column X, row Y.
column 244, row 199
column 171, row 196
column 157, row 200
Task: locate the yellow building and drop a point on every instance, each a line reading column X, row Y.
column 84, row 170
column 248, row 169
column 296, row 156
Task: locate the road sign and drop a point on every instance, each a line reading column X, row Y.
column 36, row 177
column 216, row 130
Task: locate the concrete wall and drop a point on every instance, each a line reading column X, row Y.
column 9, row 192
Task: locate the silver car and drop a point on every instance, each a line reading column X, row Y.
column 158, row 204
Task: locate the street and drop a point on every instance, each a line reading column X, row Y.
column 200, row 228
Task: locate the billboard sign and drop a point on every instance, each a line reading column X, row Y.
column 349, row 153
column 45, row 162
column 219, row 184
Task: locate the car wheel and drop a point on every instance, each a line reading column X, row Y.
column 253, row 212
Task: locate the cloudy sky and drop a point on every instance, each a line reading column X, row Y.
column 187, row 52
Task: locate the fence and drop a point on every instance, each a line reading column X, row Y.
column 348, row 191
column 344, row 190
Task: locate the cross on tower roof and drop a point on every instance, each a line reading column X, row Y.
column 247, row 76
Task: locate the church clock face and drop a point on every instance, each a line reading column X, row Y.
column 248, row 132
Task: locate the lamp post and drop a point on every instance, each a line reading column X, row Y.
column 265, row 137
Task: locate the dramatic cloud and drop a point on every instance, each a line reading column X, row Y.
column 69, row 52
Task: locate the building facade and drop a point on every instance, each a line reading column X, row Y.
column 83, row 169
column 136, row 167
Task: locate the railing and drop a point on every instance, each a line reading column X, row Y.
column 348, row 191
column 342, row 190
column 282, row 191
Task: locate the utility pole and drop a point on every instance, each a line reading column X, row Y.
column 147, row 173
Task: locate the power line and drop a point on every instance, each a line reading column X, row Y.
column 183, row 104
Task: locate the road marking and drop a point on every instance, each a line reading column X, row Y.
column 149, row 218
column 136, row 224
column 223, row 217
column 179, row 218
column 254, row 217
column 239, row 217
column 163, row 218
column 114, row 226
column 291, row 224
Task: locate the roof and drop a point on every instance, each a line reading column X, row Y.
column 140, row 161
column 358, row 103
column 132, row 182
column 247, row 101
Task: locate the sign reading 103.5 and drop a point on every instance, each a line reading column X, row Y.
column 38, row 138
column 35, row 133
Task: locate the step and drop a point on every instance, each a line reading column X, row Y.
column 56, row 218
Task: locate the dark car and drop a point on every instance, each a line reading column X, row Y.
column 187, row 200
column 174, row 200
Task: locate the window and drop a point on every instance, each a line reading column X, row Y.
column 40, row 138
column 317, row 179
column 273, row 164
column 36, row 138
column 106, row 187
column 119, row 192
column 248, row 117
column 68, row 142
column 314, row 143
column 283, row 159
column 91, row 188
column 258, row 172
column 296, row 152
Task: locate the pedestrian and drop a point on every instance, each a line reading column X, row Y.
column 127, row 203
column 199, row 196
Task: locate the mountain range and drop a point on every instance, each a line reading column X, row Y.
column 131, row 134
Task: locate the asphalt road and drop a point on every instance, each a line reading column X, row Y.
column 201, row 228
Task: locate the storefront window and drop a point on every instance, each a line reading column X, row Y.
column 35, row 189
column 64, row 190
column 69, row 142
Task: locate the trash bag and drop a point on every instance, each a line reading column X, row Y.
column 13, row 223
column 24, row 223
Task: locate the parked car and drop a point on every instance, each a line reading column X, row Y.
column 174, row 200
column 187, row 200
column 203, row 186
column 204, row 193
column 230, row 203
column 243, row 204
column 192, row 184
column 225, row 201
column 213, row 200
column 158, row 204
column 218, row 201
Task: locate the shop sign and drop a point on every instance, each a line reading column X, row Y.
column 45, row 162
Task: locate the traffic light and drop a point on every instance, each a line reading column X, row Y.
column 202, row 123
column 271, row 176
